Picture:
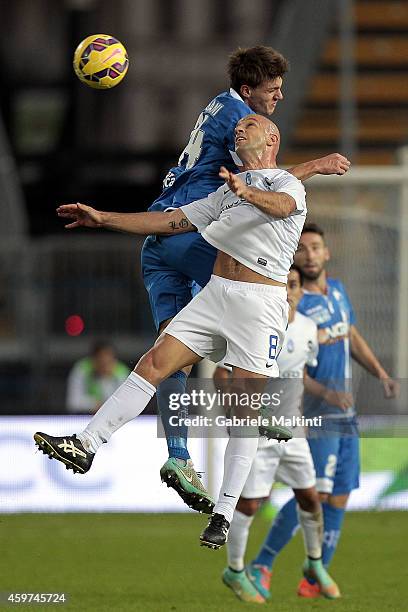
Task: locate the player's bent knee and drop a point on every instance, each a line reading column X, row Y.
column 248, row 506
column 151, row 367
column 308, row 499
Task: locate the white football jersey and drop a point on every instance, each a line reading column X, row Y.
column 261, row 242
column 300, row 347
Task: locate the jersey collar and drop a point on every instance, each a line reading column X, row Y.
column 326, row 293
column 234, row 156
column 236, row 95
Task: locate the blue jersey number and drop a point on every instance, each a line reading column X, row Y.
column 195, row 144
column 273, row 346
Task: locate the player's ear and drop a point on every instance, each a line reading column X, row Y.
column 245, row 92
column 271, row 138
column 327, row 255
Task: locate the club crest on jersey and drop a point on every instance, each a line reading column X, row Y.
column 248, row 178
column 268, row 182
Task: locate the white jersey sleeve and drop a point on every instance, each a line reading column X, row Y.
column 288, row 183
column 203, row 212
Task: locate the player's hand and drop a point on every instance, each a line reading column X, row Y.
column 391, row 388
column 333, row 164
column 234, row 182
column 84, row 216
column 340, row 399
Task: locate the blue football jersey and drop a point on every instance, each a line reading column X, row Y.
column 209, row 147
column 333, row 315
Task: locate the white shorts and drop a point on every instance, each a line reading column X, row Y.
column 288, row 462
column 242, row 324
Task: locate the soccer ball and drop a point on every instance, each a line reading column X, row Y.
column 100, row 61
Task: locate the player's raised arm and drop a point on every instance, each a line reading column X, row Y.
column 172, row 222
column 335, row 163
column 276, row 204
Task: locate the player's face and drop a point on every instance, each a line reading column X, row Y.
column 264, row 98
column 250, row 135
column 311, row 255
column 294, row 289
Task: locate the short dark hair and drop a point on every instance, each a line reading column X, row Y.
column 313, row 228
column 254, row 65
column 299, row 271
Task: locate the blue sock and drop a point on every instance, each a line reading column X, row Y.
column 283, row 529
column 176, row 436
column 333, row 520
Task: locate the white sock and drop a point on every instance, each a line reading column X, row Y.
column 237, row 540
column 238, row 458
column 312, row 528
column 128, row 401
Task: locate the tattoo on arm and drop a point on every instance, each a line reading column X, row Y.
column 183, row 224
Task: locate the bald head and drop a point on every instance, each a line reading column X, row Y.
column 269, row 126
column 257, row 136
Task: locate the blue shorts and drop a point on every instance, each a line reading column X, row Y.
column 172, row 267
column 337, row 461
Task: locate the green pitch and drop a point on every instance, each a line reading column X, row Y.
column 153, row 563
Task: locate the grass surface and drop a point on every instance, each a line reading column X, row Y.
column 153, row 563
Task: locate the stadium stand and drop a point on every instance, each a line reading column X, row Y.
column 381, row 57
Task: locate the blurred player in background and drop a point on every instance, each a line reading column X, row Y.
column 335, row 451
column 290, row 464
column 94, row 378
column 172, row 265
column 255, row 221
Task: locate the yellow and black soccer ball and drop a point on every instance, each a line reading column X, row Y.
column 101, row 61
